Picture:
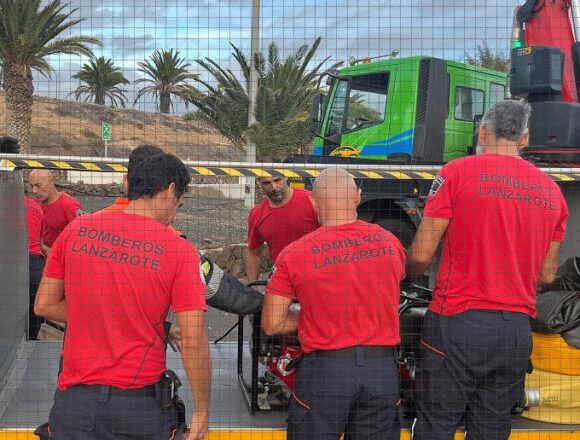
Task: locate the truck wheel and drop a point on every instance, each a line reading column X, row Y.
column 402, row 229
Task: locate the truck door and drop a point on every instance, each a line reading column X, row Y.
column 467, row 100
column 357, row 115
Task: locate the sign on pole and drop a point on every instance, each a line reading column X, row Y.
column 106, row 131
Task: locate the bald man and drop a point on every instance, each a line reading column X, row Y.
column 58, row 207
column 345, row 275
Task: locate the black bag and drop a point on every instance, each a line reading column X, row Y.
column 559, row 312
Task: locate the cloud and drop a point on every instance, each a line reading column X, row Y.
column 131, row 31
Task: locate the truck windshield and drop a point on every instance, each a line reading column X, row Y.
column 358, row 101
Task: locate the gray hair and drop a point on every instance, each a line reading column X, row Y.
column 508, row 119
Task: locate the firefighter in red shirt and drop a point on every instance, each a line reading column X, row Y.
column 503, row 221
column 345, row 275
column 121, row 271
column 285, row 215
column 59, row 208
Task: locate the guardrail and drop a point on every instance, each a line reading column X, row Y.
column 246, row 169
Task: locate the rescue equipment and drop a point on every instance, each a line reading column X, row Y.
column 226, row 293
column 559, row 401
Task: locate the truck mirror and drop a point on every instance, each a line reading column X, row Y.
column 315, row 111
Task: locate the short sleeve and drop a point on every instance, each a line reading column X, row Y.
column 560, row 231
column 280, row 283
column 188, row 288
column 440, row 198
column 73, row 209
column 55, row 264
column 255, row 239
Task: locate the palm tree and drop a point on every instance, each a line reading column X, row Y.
column 29, row 34
column 167, row 75
column 487, row 58
column 285, row 92
column 101, row 81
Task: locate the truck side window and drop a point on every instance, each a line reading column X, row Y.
column 367, row 100
column 358, row 102
column 496, row 93
column 468, row 103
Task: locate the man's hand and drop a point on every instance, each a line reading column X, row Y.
column 199, row 426
column 174, row 338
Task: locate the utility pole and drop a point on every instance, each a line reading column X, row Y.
column 252, row 93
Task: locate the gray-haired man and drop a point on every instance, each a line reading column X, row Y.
column 503, row 221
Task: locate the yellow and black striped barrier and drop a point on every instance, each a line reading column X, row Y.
column 244, row 169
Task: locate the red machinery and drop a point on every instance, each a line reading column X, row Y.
column 545, row 70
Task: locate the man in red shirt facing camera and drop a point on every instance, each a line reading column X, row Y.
column 112, row 277
column 285, row 215
column 345, row 275
column 59, row 208
column 503, row 221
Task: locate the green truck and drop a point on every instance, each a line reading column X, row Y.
column 412, row 111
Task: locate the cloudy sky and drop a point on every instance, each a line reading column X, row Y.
column 131, row 30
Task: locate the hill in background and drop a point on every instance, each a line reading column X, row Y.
column 70, row 128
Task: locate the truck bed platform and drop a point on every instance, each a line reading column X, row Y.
column 26, row 401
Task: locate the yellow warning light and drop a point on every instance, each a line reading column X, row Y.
column 366, row 61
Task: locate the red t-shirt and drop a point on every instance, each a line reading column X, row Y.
column 121, row 274
column 278, row 227
column 503, row 212
column 346, row 279
column 34, row 221
column 57, row 215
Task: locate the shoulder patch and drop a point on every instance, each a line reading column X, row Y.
column 437, row 183
column 204, row 269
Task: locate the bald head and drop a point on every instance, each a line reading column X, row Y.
column 336, row 197
column 43, row 187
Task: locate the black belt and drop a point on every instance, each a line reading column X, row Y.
column 148, row 391
column 369, row 351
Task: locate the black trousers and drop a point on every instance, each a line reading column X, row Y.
column 472, row 366
column 82, row 414
column 35, row 268
column 356, row 395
